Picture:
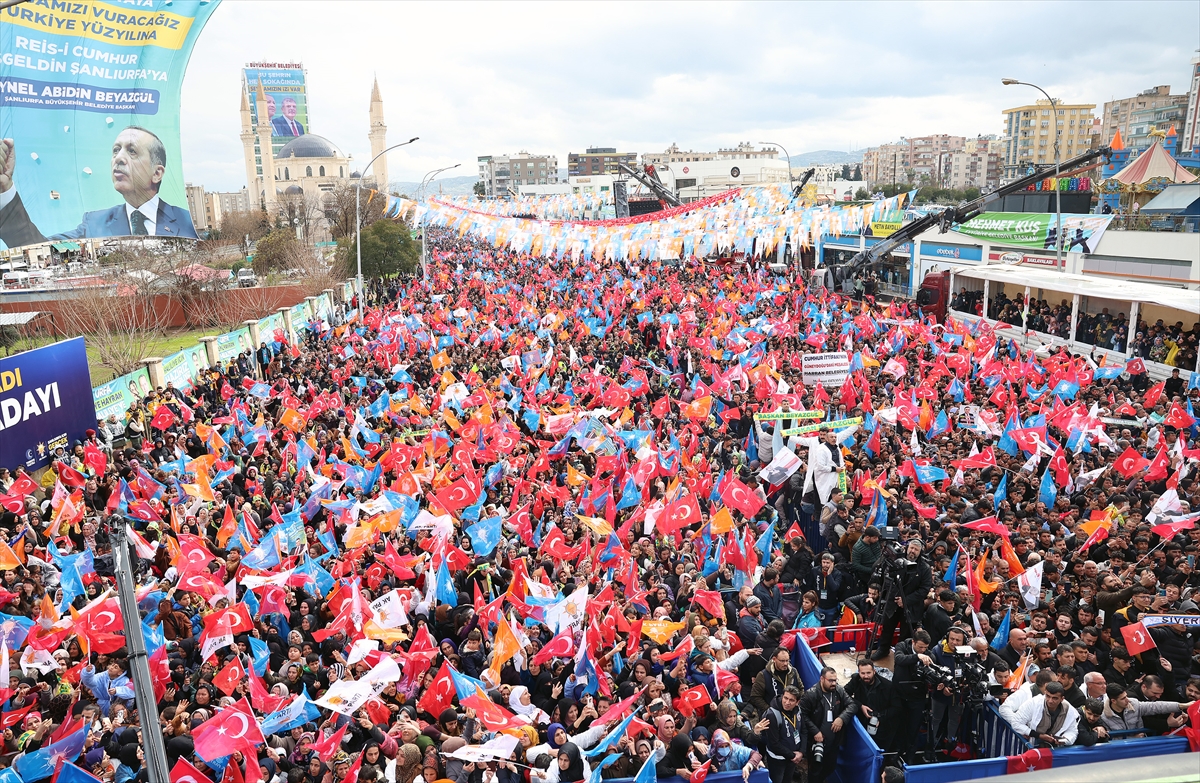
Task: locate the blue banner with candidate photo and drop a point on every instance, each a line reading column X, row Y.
column 89, row 118
column 45, row 403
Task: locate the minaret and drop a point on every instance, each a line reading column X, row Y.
column 378, row 137
column 252, row 178
column 264, row 146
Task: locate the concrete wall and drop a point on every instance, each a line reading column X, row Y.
column 233, row 300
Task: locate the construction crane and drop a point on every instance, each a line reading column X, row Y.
column 649, row 177
column 944, row 219
column 804, row 178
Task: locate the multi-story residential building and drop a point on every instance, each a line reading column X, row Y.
column 929, row 156
column 234, row 201
column 886, row 164
column 502, row 174
column 598, row 160
column 1126, row 114
column 1030, row 133
column 977, row 169
column 1191, row 124
column 743, row 151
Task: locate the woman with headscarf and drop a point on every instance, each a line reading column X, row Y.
column 556, row 737
column 520, row 702
column 317, row 770
column 569, row 767
column 130, row 755
column 408, row 763
column 372, row 757
column 528, row 736
column 678, row 760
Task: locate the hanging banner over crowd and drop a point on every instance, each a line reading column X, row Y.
column 89, row 119
column 827, row 369
column 1081, row 233
column 43, row 403
column 115, row 397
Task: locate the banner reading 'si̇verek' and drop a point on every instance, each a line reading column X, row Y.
column 89, row 118
column 45, row 403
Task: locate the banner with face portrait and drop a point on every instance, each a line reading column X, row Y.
column 89, row 118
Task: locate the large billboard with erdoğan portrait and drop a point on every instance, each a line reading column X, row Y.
column 89, row 118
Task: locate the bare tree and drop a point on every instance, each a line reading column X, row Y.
column 339, row 209
column 123, row 318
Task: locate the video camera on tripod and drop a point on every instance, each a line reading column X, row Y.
column 966, row 677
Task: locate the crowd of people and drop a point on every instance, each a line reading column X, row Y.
column 546, row 520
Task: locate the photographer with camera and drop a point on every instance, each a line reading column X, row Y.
column 826, row 709
column 877, row 703
column 911, row 655
column 785, row 736
column 913, row 582
column 947, row 700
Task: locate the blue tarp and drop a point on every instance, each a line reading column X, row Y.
column 757, row 776
column 860, row 759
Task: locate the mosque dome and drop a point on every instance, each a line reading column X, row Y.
column 310, row 145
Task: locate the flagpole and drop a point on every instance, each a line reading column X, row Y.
column 139, row 665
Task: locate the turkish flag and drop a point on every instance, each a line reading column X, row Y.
column 1031, row 760
column 440, row 694
column 1058, row 464
column 692, row 700
column 738, row 495
column 163, row 418
column 1135, row 367
column 661, row 407
column 24, row 485
column 989, row 525
column 228, row 678
column 329, row 743
column 16, row 716
column 680, row 513
column 94, row 458
column 710, row 601
column 561, row 646
column 233, row 728
column 1137, row 638
column 185, row 772
column 69, row 476
column 1152, row 395
column 1158, row 466
column 1178, row 418
column 1130, row 463
column 700, row 774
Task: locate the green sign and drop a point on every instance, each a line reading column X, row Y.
column 117, row 395
column 825, row 425
column 782, row 415
column 1081, row 233
column 230, row 344
column 182, row 368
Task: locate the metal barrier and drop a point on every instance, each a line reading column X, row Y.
column 995, row 736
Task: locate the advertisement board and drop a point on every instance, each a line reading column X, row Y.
column 89, row 119
column 287, row 99
column 182, row 368
column 44, row 396
column 827, row 369
column 1081, row 233
column 300, row 317
column 115, row 397
column 230, row 344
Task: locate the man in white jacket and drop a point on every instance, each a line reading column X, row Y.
column 1048, row 721
column 1025, row 694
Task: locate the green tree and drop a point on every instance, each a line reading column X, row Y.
column 846, row 171
column 861, row 194
column 479, row 189
column 275, row 251
column 388, row 249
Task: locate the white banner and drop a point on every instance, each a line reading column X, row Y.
column 827, row 369
column 782, row 466
column 498, row 748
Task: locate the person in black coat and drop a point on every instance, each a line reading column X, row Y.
column 785, row 739
column 941, row 615
column 911, row 689
column 877, row 703
column 826, row 709
column 915, row 581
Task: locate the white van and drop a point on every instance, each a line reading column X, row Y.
column 246, row 278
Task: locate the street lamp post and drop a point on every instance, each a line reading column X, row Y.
column 425, row 181
column 1058, row 232
column 358, row 212
column 785, row 152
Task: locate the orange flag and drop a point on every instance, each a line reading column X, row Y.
column 1017, row 678
column 439, row 360
column 1014, row 564
column 721, row 522
column 293, row 420
column 985, row 586
column 8, row 558
column 228, row 526
column 697, row 409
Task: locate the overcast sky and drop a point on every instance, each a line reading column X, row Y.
column 492, row 78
